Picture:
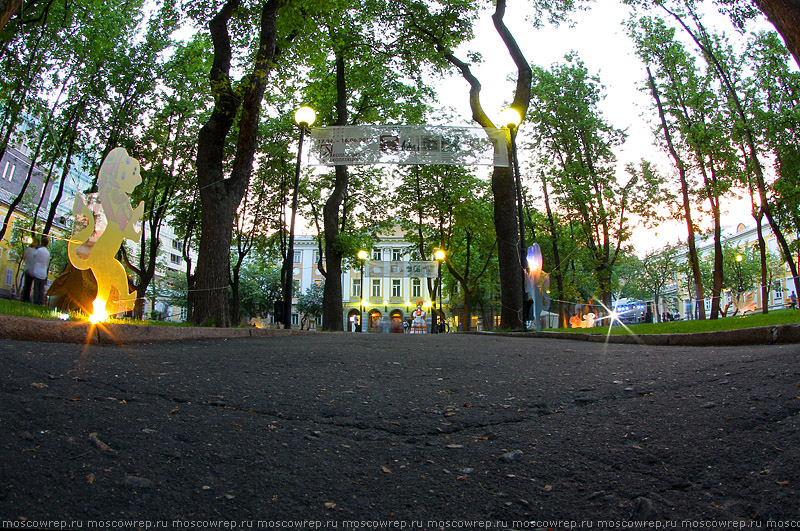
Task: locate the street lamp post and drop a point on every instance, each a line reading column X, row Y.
column 303, row 117
column 739, row 289
column 362, row 255
column 439, row 255
column 511, row 118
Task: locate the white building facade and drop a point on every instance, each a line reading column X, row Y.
column 385, row 302
column 741, row 237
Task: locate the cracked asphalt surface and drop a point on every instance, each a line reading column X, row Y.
column 434, row 428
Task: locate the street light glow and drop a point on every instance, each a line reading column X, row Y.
column 362, row 255
column 439, row 254
column 99, row 313
column 305, row 116
column 510, row 117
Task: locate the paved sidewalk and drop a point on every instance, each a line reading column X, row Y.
column 436, row 431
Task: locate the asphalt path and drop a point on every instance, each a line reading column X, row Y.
column 399, row 431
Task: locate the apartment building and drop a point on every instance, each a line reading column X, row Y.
column 15, row 166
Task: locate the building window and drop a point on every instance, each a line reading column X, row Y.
column 377, row 254
column 297, row 257
column 376, row 287
column 416, row 288
column 9, row 174
column 777, row 286
column 295, row 319
column 10, row 277
column 356, row 289
column 396, row 288
column 175, row 259
column 397, row 255
column 176, row 245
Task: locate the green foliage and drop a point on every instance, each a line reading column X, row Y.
column 772, row 98
column 741, row 269
column 172, row 289
column 576, row 146
column 628, row 276
column 310, row 303
column 259, row 288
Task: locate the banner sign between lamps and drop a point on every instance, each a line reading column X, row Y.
column 408, row 144
column 411, row 269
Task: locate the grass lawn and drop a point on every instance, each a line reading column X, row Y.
column 25, row 309
column 751, row 320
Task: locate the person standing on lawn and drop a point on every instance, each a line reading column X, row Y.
column 41, row 262
column 27, row 272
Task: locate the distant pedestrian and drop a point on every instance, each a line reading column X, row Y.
column 41, row 263
column 27, row 273
column 793, row 301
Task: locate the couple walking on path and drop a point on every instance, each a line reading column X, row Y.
column 37, row 261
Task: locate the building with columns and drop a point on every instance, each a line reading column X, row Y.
column 390, row 294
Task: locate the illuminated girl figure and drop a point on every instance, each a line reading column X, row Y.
column 106, row 219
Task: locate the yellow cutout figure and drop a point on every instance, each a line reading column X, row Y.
column 102, row 221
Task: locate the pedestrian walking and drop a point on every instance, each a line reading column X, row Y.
column 41, row 263
column 27, row 272
column 793, row 301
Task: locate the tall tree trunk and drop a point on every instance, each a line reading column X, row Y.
column 220, row 196
column 332, row 310
column 762, row 251
column 557, row 272
column 713, row 199
column 503, row 185
column 504, row 189
column 762, row 247
column 235, row 282
column 748, row 137
column 72, row 137
column 694, row 260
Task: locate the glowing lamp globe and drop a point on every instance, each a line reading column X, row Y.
column 305, row 116
column 362, row 255
column 439, row 254
column 510, row 118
